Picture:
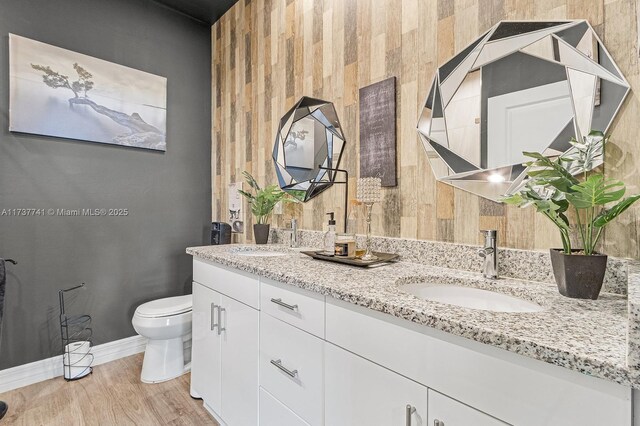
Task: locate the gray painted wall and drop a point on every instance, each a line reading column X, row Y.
column 124, row 260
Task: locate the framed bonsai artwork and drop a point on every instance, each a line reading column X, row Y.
column 60, row 93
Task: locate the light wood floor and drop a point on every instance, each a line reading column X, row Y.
column 112, row 395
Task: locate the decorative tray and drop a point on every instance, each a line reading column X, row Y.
column 382, row 258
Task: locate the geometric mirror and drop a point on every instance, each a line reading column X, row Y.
column 521, row 86
column 308, row 148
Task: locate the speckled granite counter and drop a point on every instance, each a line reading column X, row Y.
column 582, row 335
column 633, row 350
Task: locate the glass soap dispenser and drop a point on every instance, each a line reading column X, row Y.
column 330, row 237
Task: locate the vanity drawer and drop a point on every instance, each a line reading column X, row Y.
column 298, row 307
column 275, row 413
column 291, row 368
column 234, row 283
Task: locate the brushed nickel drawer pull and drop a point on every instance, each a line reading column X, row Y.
column 220, row 327
column 409, row 410
column 290, row 373
column 213, row 313
column 279, row 302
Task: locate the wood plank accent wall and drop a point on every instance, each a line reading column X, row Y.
column 269, row 53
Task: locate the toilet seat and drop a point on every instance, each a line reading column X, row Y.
column 169, row 306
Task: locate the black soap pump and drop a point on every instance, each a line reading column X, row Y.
column 330, row 236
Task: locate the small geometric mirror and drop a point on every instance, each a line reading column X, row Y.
column 522, row 86
column 308, row 148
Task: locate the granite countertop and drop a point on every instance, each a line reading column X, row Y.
column 582, row 335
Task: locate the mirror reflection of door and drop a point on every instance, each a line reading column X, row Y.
column 525, row 120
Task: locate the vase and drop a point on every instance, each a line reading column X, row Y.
column 578, row 276
column 261, row 232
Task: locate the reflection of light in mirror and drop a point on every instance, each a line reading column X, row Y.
column 495, row 178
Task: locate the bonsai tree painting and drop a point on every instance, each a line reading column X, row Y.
column 140, row 133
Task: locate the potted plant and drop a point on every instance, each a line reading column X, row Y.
column 563, row 191
column 262, row 201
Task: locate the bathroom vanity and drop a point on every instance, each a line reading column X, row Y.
column 281, row 339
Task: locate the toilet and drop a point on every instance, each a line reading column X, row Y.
column 167, row 324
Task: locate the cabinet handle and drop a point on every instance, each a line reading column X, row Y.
column 220, row 327
column 284, row 305
column 290, row 373
column 213, row 315
column 409, row 410
column 437, row 422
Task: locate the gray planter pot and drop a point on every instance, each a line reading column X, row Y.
column 261, row 233
column 578, row 276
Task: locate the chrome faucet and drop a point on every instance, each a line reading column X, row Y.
column 294, row 243
column 490, row 254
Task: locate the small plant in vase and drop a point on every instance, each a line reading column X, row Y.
column 561, row 189
column 261, row 201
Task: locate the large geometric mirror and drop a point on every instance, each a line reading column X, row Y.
column 308, row 148
column 522, row 86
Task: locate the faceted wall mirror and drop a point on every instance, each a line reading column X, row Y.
column 308, row 148
column 522, row 86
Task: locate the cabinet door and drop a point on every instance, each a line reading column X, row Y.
column 205, row 347
column 444, row 411
column 275, row 413
column 359, row 392
column 240, row 351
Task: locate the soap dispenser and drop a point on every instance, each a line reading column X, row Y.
column 330, row 237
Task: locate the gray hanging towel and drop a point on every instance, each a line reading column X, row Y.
column 3, row 282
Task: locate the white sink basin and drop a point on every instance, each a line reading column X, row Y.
column 260, row 253
column 469, row 297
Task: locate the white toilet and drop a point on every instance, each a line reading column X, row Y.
column 167, row 324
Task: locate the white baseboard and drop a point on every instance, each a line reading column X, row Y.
column 38, row 371
column 117, row 349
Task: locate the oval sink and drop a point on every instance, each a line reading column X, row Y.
column 470, row 297
column 260, row 253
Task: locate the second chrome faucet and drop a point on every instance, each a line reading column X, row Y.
column 490, row 254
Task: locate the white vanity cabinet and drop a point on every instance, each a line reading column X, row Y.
column 297, row 307
column 206, row 347
column 275, row 413
column 225, row 336
column 271, row 354
column 506, row 386
column 359, row 392
column 444, row 411
column 292, row 352
column 291, row 368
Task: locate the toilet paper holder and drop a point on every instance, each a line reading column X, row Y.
column 76, row 334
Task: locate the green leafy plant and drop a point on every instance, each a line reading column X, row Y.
column 554, row 190
column 261, row 200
